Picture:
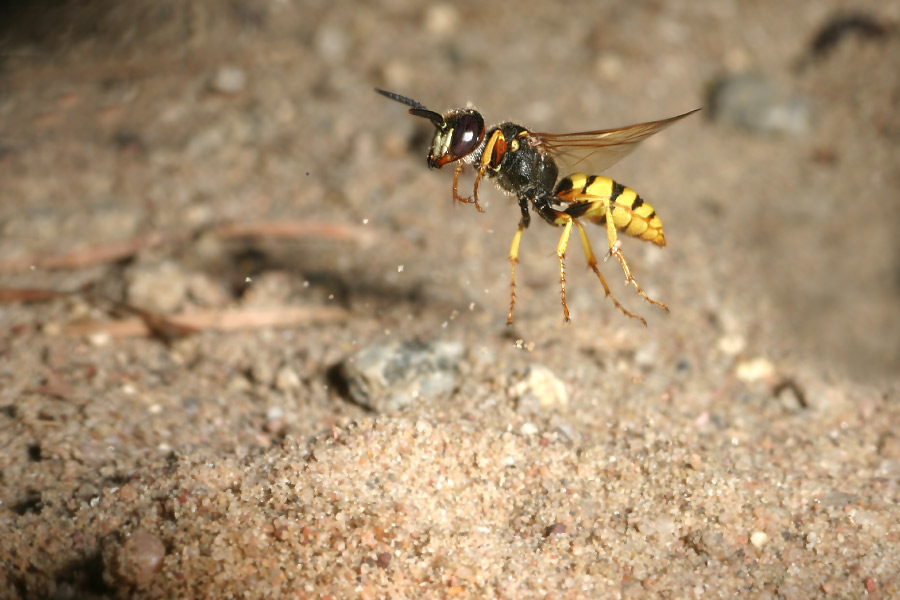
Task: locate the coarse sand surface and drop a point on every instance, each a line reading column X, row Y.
column 250, row 348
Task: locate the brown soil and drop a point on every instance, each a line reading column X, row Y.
column 231, row 214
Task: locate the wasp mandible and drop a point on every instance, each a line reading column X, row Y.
column 524, row 163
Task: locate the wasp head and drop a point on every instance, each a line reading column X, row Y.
column 458, row 133
column 461, row 133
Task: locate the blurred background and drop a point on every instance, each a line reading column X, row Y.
column 780, row 200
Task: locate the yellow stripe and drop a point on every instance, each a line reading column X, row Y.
column 622, row 214
column 598, row 192
column 644, row 210
column 636, row 222
column 636, row 227
column 601, row 187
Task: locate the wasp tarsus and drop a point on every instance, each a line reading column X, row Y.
column 526, row 164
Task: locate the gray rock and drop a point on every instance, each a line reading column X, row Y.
column 755, row 103
column 393, row 375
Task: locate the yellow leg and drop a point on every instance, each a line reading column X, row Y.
column 513, row 259
column 615, row 250
column 592, row 263
column 561, row 254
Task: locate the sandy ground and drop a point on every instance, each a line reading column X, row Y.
column 341, row 410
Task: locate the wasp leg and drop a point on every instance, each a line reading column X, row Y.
column 514, row 254
column 592, row 263
column 513, row 259
column 615, row 250
column 566, row 221
column 472, row 199
column 543, row 206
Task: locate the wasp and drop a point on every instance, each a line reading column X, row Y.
column 525, row 163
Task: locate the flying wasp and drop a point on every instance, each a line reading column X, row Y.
column 524, row 163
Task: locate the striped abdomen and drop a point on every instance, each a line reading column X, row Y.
column 589, row 196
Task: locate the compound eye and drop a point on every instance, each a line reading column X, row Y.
column 466, row 135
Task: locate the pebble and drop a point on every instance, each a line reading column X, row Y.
column 287, row 379
column 839, row 498
column 555, row 529
column 441, row 20
column 229, row 80
column 790, row 396
column 758, row 539
column 162, row 288
column 331, row 44
column 206, row 291
column 755, row 103
column 754, row 369
column 138, row 559
column 262, row 371
column 539, row 389
column 528, row 429
column 888, row 468
column 393, row 375
column 731, row 344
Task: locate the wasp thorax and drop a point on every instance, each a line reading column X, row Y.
column 460, row 135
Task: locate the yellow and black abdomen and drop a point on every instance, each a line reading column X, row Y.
column 590, row 196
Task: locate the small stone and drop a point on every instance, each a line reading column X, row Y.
column 274, row 420
column 394, row 375
column 871, row 585
column 528, row 429
column 51, row 328
column 238, row 383
column 890, row 446
column 128, row 493
column 162, row 288
column 608, row 66
column 555, row 529
column 207, row 292
column 839, row 498
column 754, row 369
column 383, row 559
column 441, row 20
column 229, row 80
column 791, row 396
column 287, row 379
column 262, row 371
column 889, row 468
column 274, row 427
column 99, row 339
column 331, row 44
column 755, row 103
column 137, row 560
column 732, row 344
column 647, row 355
column 759, row 539
column 539, row 389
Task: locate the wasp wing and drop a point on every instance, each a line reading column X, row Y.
column 596, row 151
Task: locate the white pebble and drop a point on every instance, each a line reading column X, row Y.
column 528, row 429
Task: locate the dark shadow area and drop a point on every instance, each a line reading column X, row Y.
column 50, row 25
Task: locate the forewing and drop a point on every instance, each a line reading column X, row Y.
column 593, row 152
